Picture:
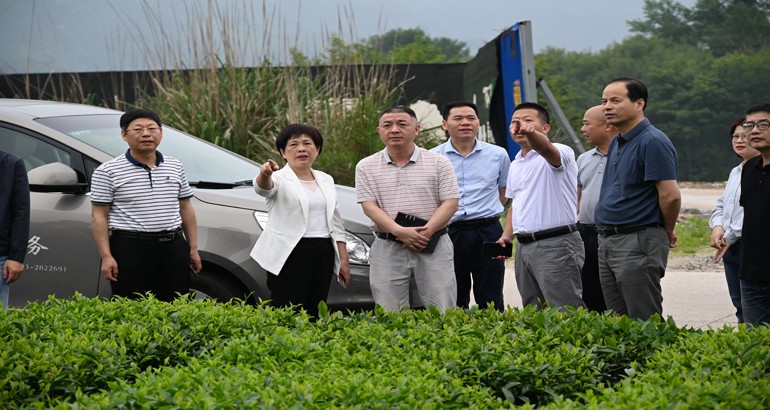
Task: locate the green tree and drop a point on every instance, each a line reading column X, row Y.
column 397, row 46
column 720, row 26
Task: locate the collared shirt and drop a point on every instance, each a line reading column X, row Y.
column 480, row 176
column 14, row 207
column 417, row 188
column 635, row 162
column 543, row 196
column 141, row 198
column 728, row 212
column 590, row 173
column 755, row 199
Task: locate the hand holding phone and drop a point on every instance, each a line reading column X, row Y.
column 494, row 249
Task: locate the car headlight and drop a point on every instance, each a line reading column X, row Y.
column 358, row 249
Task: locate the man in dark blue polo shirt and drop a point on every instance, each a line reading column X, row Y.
column 638, row 204
column 755, row 200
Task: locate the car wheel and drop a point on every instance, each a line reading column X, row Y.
column 216, row 285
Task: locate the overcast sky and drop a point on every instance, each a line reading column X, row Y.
column 107, row 35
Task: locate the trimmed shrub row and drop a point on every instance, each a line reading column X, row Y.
column 90, row 353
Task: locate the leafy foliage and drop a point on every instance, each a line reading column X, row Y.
column 91, row 353
column 397, row 46
column 700, row 76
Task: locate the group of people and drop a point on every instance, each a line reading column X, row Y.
column 740, row 219
column 591, row 232
column 614, row 207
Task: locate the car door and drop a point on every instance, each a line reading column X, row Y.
column 61, row 255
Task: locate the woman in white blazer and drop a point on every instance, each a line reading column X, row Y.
column 303, row 244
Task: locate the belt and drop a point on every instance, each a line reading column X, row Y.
column 474, row 223
column 390, row 237
column 610, row 230
column 546, row 233
column 587, row 227
column 163, row 236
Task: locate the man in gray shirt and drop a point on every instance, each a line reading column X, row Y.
column 590, row 164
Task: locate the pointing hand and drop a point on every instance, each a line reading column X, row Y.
column 269, row 167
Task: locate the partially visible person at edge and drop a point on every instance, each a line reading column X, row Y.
column 303, row 245
column 755, row 199
column 598, row 133
column 482, row 170
column 406, row 178
column 542, row 182
column 143, row 219
column 14, row 221
column 727, row 218
column 638, row 204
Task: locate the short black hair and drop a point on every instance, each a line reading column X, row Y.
column 399, row 109
column 130, row 115
column 636, row 89
column 541, row 111
column 296, row 130
column 758, row 108
column 737, row 123
column 448, row 107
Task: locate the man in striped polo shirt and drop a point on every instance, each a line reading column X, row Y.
column 408, row 179
column 140, row 210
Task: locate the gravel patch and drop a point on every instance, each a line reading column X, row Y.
column 694, row 263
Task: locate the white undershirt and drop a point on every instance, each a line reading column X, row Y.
column 317, row 225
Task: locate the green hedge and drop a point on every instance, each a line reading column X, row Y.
column 90, row 353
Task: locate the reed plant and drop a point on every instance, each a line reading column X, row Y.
column 241, row 107
column 217, row 79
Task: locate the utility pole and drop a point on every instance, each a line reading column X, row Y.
column 560, row 117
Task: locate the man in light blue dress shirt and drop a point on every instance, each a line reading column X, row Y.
column 482, row 171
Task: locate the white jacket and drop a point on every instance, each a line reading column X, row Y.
column 287, row 208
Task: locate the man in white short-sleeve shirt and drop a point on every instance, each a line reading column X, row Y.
column 542, row 182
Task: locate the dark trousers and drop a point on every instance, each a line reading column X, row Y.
column 732, row 261
column 305, row 277
column 162, row 268
column 755, row 298
column 589, row 275
column 487, row 273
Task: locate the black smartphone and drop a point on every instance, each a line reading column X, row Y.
column 492, row 249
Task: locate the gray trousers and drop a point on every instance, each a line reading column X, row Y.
column 630, row 269
column 548, row 271
column 391, row 267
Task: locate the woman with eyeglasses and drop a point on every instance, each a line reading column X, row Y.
column 727, row 217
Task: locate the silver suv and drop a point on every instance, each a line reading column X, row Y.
column 63, row 143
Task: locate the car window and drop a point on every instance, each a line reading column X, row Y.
column 33, row 151
column 202, row 161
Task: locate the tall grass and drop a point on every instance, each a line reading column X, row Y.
column 242, row 108
column 209, row 85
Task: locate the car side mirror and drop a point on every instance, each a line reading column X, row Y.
column 55, row 177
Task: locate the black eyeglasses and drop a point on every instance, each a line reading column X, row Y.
column 762, row 125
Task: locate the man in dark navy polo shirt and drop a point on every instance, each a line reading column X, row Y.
column 755, row 200
column 638, row 204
